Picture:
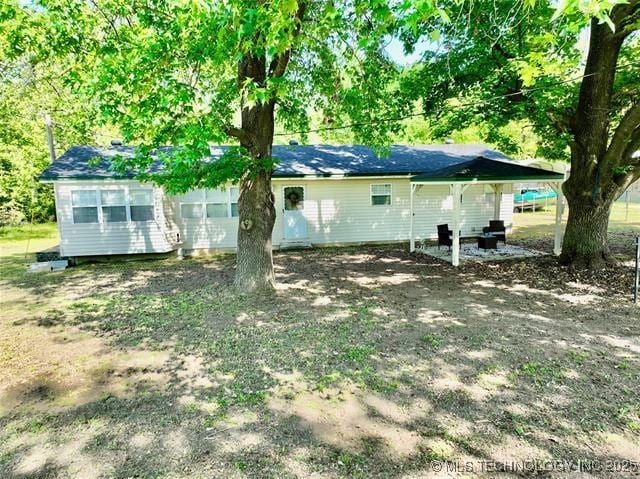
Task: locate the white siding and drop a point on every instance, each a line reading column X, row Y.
column 337, row 211
column 340, row 211
column 91, row 239
column 205, row 233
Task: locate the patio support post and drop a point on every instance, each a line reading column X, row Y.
column 557, row 240
column 456, row 192
column 412, row 243
column 497, row 200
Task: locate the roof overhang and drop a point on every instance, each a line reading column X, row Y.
column 506, row 180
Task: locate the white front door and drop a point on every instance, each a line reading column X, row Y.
column 295, row 224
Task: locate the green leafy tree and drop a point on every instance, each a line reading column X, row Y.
column 196, row 73
column 28, row 92
column 571, row 71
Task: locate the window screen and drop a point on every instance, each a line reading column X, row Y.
column 85, row 206
column 234, row 194
column 217, row 203
column 141, row 202
column 217, row 210
column 381, row 194
column 114, row 206
column 191, row 211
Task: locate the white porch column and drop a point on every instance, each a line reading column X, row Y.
column 557, row 239
column 456, row 192
column 412, row 243
column 497, row 200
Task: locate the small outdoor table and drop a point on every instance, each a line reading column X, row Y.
column 487, row 242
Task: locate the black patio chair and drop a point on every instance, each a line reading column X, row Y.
column 445, row 236
column 497, row 229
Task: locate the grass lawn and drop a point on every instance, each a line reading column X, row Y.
column 368, row 362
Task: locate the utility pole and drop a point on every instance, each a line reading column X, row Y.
column 52, row 148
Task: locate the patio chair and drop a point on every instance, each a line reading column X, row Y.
column 445, row 236
column 497, row 229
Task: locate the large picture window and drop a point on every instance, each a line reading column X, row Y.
column 381, row 194
column 114, row 206
column 141, row 204
column 85, row 206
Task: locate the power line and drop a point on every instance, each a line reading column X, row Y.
column 450, row 107
column 412, row 115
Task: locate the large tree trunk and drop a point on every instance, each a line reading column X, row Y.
column 256, row 208
column 257, row 216
column 585, row 240
column 256, row 204
column 592, row 186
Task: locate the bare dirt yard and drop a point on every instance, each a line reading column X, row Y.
column 368, row 362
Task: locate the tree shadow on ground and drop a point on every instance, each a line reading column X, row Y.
column 368, row 362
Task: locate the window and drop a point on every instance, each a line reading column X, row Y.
column 234, row 193
column 114, row 206
column 141, row 204
column 85, row 206
column 191, row 211
column 217, row 203
column 210, row 204
column 381, row 194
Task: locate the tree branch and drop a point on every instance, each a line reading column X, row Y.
column 627, row 18
column 625, row 130
column 279, row 64
column 242, row 135
column 632, row 147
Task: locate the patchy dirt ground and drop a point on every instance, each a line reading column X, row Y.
column 368, row 362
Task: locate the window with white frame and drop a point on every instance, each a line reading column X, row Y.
column 191, row 211
column 211, row 203
column 114, row 206
column 217, row 203
column 381, row 194
column 141, row 204
column 84, row 204
column 234, row 193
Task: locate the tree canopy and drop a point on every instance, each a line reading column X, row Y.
column 495, row 63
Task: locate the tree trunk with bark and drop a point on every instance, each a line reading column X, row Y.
column 256, row 204
column 602, row 163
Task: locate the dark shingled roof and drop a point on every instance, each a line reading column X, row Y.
column 484, row 169
column 88, row 162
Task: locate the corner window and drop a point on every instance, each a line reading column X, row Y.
column 114, row 206
column 85, row 206
column 381, row 194
column 141, row 204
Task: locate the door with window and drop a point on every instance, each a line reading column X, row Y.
column 295, row 223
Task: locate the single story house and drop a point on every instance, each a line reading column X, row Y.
column 325, row 195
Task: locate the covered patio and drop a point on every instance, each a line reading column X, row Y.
column 483, row 171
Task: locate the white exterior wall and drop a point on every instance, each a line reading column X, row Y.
column 339, row 211
column 89, row 239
